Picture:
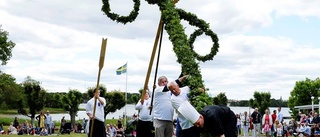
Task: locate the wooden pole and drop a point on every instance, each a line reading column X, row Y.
column 160, row 29
column 152, row 58
column 101, row 63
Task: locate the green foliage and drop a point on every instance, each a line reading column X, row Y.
column 274, row 103
column 71, row 102
column 122, row 19
column 115, row 100
column 5, row 47
column 220, row 99
column 10, row 91
column 302, row 92
column 182, row 46
column 261, row 100
column 3, row 106
column 135, row 98
column 54, row 100
column 34, row 97
column 102, row 89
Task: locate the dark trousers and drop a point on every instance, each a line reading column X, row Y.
column 178, row 129
column 230, row 128
column 190, row 132
column 144, row 128
column 99, row 129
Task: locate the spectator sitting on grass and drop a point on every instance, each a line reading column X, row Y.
column 44, row 132
column 12, row 129
column 1, row 129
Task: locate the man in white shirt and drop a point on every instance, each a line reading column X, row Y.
column 280, row 115
column 180, row 95
column 144, row 123
column 99, row 128
column 48, row 122
column 162, row 109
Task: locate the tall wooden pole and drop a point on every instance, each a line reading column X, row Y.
column 156, row 41
column 101, row 63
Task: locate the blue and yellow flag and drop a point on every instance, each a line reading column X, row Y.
column 122, row 69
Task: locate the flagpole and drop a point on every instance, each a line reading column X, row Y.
column 125, row 107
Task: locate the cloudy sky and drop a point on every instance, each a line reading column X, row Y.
column 265, row 45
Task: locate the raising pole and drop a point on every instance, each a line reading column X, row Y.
column 155, row 76
column 151, row 59
column 101, row 63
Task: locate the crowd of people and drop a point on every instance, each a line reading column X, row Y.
column 167, row 98
column 273, row 125
column 44, row 127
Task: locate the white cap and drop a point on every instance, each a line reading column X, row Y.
column 189, row 112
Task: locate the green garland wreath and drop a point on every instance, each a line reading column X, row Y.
column 204, row 27
column 122, row 19
column 214, row 48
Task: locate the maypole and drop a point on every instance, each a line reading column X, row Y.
column 171, row 17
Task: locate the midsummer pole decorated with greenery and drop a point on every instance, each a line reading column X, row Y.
column 182, row 45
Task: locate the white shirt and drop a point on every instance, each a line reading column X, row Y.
column 48, row 119
column 245, row 120
column 99, row 115
column 144, row 110
column 279, row 116
column 162, row 108
column 177, row 101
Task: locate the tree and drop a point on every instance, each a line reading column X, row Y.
column 302, row 93
column 5, row 47
column 34, row 97
column 10, row 92
column 261, row 100
column 220, row 99
column 115, row 100
column 135, row 98
column 71, row 102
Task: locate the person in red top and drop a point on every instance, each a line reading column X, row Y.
column 274, row 116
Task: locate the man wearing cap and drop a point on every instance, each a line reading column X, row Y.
column 180, row 95
column 48, row 122
column 98, row 118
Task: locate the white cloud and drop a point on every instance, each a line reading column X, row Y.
column 58, row 43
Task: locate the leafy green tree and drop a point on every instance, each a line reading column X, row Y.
column 135, row 98
column 242, row 103
column 71, row 102
column 34, row 97
column 54, row 100
column 115, row 100
column 261, row 100
column 302, row 93
column 5, row 47
column 220, row 99
column 10, row 91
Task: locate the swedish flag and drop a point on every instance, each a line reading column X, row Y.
column 122, row 69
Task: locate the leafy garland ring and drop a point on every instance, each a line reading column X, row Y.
column 214, row 48
column 204, row 27
column 122, row 19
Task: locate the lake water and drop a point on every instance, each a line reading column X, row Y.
column 130, row 109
